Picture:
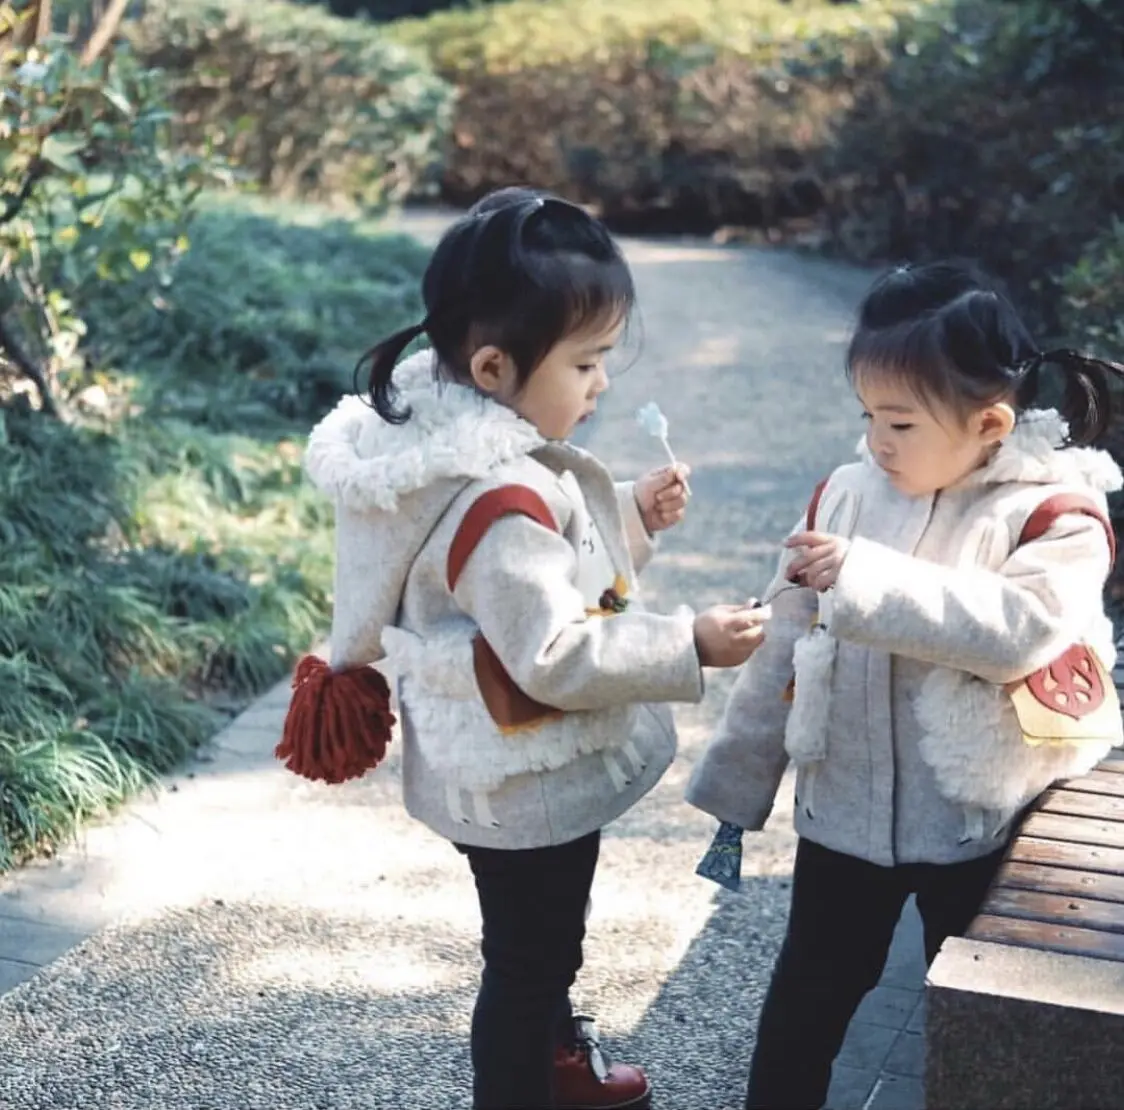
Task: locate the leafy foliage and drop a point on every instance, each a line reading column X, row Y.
column 1067, row 39
column 1093, row 310
column 306, row 104
column 666, row 115
column 265, row 319
column 526, row 34
column 82, row 146
column 166, row 557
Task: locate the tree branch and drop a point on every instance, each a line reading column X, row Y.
column 43, row 20
column 16, row 202
column 104, row 31
column 27, row 366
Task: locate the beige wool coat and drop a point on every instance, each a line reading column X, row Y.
column 907, row 748
column 532, row 592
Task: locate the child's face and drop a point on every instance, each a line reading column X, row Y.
column 923, row 446
column 563, row 389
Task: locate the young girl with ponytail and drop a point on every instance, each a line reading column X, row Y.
column 494, row 565
column 938, row 654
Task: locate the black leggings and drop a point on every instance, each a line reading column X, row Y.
column 842, row 921
column 533, row 905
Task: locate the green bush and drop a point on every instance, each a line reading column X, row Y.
column 82, row 143
column 164, row 556
column 1068, row 39
column 526, row 34
column 306, row 104
column 684, row 114
column 1093, row 308
column 265, row 319
column 970, row 146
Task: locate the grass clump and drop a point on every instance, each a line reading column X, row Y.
column 161, row 559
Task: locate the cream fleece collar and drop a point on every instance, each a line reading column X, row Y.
column 453, row 432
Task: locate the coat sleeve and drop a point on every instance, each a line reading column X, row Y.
column 518, row 587
column 641, row 544
column 998, row 624
column 738, row 776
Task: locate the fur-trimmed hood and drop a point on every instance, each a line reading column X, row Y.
column 1034, row 452
column 391, row 484
column 453, row 432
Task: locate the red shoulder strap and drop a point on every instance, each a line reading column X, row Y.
column 814, row 504
column 483, row 513
column 1039, row 521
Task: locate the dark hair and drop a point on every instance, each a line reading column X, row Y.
column 951, row 335
column 521, row 270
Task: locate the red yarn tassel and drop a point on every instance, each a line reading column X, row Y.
column 338, row 724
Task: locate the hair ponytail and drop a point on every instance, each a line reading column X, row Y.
column 1086, row 403
column 382, row 359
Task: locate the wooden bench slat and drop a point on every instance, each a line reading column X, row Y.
column 1052, row 938
column 1113, row 762
column 1061, row 880
column 1057, row 853
column 1076, row 804
column 1098, row 782
column 1075, row 830
column 1059, row 909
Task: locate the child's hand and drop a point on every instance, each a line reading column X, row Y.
column 727, row 635
column 661, row 496
column 818, row 564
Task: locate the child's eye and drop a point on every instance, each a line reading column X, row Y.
column 588, row 367
column 901, row 427
column 868, row 416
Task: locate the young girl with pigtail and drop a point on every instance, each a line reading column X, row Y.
column 938, row 654
column 494, row 565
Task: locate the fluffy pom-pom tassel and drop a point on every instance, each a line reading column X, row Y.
column 338, row 724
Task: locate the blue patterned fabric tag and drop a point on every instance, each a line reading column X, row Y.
column 723, row 860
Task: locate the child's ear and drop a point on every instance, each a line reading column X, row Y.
column 492, row 371
column 995, row 423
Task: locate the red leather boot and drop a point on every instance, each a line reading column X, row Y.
column 584, row 1079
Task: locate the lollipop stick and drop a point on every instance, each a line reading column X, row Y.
column 675, row 462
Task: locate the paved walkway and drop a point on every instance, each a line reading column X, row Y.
column 251, row 941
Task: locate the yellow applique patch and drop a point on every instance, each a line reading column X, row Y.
column 613, row 601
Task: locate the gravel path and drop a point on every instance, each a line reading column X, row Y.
column 279, row 945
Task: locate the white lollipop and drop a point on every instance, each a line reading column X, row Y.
column 653, row 421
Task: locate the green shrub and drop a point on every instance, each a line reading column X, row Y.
column 685, row 114
column 526, row 34
column 265, row 319
column 1067, row 39
column 1093, row 308
column 171, row 558
column 306, row 104
column 82, row 142
column 968, row 147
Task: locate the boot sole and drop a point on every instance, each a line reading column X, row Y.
column 640, row 1102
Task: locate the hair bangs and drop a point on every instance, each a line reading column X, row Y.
column 915, row 355
column 597, row 295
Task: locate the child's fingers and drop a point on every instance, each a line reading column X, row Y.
column 817, row 569
column 809, row 539
column 668, row 503
column 752, row 617
column 817, row 548
column 673, row 481
column 753, row 635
